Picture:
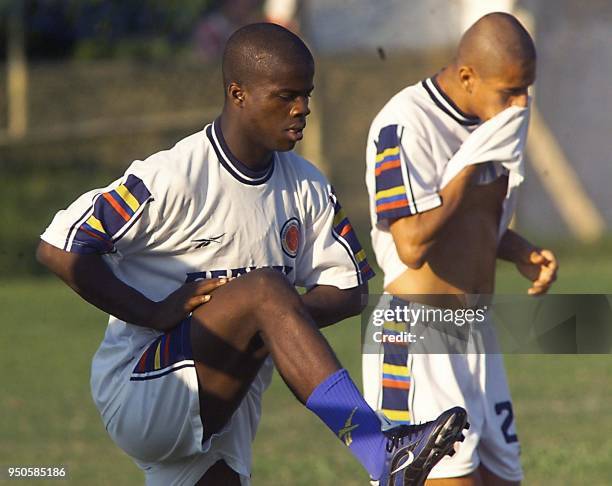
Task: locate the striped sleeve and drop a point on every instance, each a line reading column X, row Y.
column 331, row 254
column 345, row 234
column 96, row 221
column 404, row 174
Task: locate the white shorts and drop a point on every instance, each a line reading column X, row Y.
column 417, row 386
column 158, row 423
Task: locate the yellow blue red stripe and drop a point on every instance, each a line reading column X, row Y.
column 395, row 374
column 169, row 352
column 391, row 198
column 113, row 211
column 399, row 416
column 344, row 231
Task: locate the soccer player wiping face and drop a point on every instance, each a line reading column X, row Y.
column 496, row 63
column 268, row 77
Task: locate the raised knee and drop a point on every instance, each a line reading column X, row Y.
column 268, row 285
column 268, row 278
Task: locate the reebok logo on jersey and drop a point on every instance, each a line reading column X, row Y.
column 344, row 434
column 204, row 242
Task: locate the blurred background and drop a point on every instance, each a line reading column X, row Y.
column 87, row 86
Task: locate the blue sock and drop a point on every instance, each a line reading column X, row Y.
column 340, row 405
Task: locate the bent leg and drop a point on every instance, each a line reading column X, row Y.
column 251, row 316
column 261, row 313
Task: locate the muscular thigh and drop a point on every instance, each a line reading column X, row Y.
column 227, row 348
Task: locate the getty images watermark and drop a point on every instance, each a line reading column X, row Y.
column 397, row 324
column 440, row 324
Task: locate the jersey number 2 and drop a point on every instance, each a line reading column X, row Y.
column 500, row 408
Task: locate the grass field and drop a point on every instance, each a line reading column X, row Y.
column 562, row 403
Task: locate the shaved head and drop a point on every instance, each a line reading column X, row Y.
column 493, row 69
column 257, row 51
column 268, row 75
column 495, row 42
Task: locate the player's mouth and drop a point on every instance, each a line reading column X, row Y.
column 296, row 132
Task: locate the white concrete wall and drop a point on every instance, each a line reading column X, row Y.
column 573, row 89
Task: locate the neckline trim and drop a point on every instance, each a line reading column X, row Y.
column 236, row 168
column 448, row 106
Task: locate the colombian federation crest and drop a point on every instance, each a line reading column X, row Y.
column 290, row 237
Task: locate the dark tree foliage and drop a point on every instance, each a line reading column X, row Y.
column 95, row 29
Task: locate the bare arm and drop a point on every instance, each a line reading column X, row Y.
column 514, row 248
column 539, row 265
column 328, row 305
column 90, row 277
column 415, row 235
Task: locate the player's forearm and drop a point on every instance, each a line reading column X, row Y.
column 415, row 235
column 328, row 305
column 91, row 278
column 514, row 248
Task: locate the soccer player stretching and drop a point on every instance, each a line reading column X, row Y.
column 188, row 350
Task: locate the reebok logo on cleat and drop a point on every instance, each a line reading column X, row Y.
column 344, row 434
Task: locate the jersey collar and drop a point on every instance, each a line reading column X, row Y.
column 236, row 168
column 447, row 105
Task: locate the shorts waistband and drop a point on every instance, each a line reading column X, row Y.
column 440, row 301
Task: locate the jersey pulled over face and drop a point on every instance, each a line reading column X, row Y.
column 195, row 212
column 493, row 94
column 410, row 143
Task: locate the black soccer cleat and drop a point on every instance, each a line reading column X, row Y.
column 416, row 449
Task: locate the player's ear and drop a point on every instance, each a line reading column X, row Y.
column 235, row 94
column 466, row 78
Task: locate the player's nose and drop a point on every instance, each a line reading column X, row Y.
column 300, row 107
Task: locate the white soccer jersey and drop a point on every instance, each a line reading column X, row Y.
column 410, row 143
column 194, row 212
column 416, row 144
